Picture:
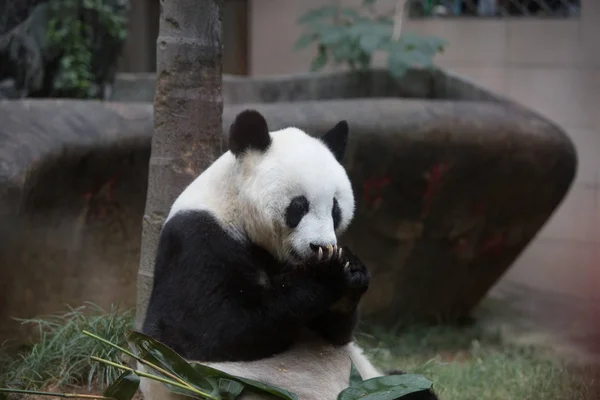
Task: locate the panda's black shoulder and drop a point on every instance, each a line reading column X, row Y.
column 197, row 238
column 190, row 224
column 191, row 237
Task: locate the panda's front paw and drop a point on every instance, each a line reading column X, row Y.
column 342, row 264
column 356, row 274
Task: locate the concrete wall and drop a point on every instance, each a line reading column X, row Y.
column 552, row 66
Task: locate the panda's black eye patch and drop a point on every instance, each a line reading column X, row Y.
column 297, row 209
column 336, row 214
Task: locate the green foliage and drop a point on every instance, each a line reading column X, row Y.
column 61, row 353
column 78, row 30
column 202, row 382
column 465, row 362
column 386, row 387
column 477, row 362
column 349, row 36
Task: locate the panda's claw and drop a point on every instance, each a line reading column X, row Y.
column 320, row 254
column 329, row 251
column 347, row 265
column 339, row 254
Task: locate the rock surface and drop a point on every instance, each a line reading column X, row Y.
column 73, row 179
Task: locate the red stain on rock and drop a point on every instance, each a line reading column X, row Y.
column 373, row 187
column 434, row 177
column 461, row 248
column 100, row 199
column 494, row 244
column 478, row 209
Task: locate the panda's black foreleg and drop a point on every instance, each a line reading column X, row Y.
column 336, row 324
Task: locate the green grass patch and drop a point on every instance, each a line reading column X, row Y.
column 466, row 362
column 61, row 354
column 473, row 363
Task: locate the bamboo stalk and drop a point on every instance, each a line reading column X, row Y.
column 63, row 395
column 138, row 358
column 154, row 377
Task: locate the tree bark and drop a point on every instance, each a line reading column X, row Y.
column 188, row 109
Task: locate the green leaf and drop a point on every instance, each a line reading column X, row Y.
column 332, row 34
column 364, row 60
column 230, row 389
column 355, row 377
column 370, row 43
column 124, row 387
column 372, row 28
column 397, row 69
column 251, row 384
column 344, row 50
column 320, row 60
column 317, row 14
column 390, row 387
column 305, row 40
column 164, row 357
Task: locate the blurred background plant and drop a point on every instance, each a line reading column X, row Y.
column 61, row 48
column 352, row 36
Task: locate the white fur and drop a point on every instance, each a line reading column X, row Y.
column 313, row 370
column 249, row 195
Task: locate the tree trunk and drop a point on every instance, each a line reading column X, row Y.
column 188, row 109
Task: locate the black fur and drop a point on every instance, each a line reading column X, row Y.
column 336, row 214
column 217, row 299
column 336, row 140
column 249, row 131
column 337, row 324
column 296, row 210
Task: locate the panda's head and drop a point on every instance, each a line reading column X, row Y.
column 292, row 192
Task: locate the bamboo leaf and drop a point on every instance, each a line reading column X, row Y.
column 164, row 357
column 390, row 387
column 355, row 377
column 124, row 387
column 252, row 385
column 230, row 389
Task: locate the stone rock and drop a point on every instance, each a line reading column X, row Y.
column 73, row 177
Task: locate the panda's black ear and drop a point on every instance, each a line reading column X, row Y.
column 336, row 139
column 249, row 131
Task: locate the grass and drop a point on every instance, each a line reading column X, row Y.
column 61, row 355
column 468, row 362
column 472, row 363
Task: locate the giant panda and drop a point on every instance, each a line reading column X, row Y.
column 249, row 275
